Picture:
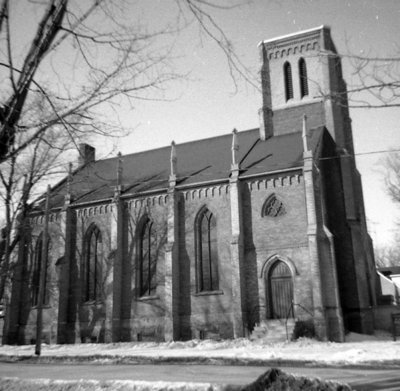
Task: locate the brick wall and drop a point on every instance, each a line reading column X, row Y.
column 271, row 238
column 146, row 314
column 209, row 313
column 334, row 241
column 123, row 315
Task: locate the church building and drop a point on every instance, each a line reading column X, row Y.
column 210, row 238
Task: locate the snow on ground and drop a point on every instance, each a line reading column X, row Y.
column 358, row 349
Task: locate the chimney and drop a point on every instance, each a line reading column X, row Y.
column 265, row 113
column 87, row 154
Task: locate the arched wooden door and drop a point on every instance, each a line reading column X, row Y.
column 280, row 291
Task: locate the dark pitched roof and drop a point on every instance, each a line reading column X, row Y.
column 199, row 161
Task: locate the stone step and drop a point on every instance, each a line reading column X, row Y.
column 273, row 326
column 273, row 330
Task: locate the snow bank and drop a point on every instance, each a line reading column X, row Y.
column 377, row 336
column 272, row 379
column 276, row 379
column 358, row 349
column 115, row 385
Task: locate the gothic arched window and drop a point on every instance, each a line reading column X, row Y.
column 92, row 265
column 287, row 73
column 206, row 252
column 148, row 254
column 303, row 77
column 36, row 271
column 273, row 207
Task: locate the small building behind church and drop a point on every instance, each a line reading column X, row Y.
column 211, row 238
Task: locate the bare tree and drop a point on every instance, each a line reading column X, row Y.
column 388, row 255
column 392, row 176
column 374, row 81
column 109, row 58
column 127, row 70
column 22, row 178
column 379, row 77
column 83, row 57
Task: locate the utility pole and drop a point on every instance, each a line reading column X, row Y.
column 42, row 277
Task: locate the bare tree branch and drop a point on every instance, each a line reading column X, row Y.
column 83, row 58
column 11, row 111
column 211, row 28
column 375, row 81
column 3, row 13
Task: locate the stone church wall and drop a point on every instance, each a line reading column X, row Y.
column 28, row 317
column 318, row 234
column 266, row 239
column 279, row 55
column 275, row 238
column 207, row 314
column 146, row 316
column 94, row 317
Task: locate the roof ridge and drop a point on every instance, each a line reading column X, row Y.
column 179, row 144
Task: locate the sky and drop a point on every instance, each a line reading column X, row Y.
column 206, row 103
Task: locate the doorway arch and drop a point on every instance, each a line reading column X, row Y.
column 279, row 283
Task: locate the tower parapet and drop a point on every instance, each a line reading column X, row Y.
column 304, row 77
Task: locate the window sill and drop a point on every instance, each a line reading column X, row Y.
column 146, row 298
column 296, row 102
column 209, row 293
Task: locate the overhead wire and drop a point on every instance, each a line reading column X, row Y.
column 222, row 173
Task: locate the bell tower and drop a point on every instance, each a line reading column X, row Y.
column 301, row 74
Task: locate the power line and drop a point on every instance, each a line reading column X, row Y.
column 361, row 154
column 208, row 173
column 376, row 152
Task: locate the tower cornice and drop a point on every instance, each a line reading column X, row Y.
column 297, row 35
column 301, row 42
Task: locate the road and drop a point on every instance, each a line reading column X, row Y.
column 359, row 379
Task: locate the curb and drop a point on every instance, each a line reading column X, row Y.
column 192, row 360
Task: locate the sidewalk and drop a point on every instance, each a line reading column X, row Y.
column 360, row 351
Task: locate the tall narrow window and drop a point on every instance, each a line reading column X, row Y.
column 36, row 271
column 92, row 265
column 148, row 259
column 287, row 72
column 303, row 78
column 206, row 252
